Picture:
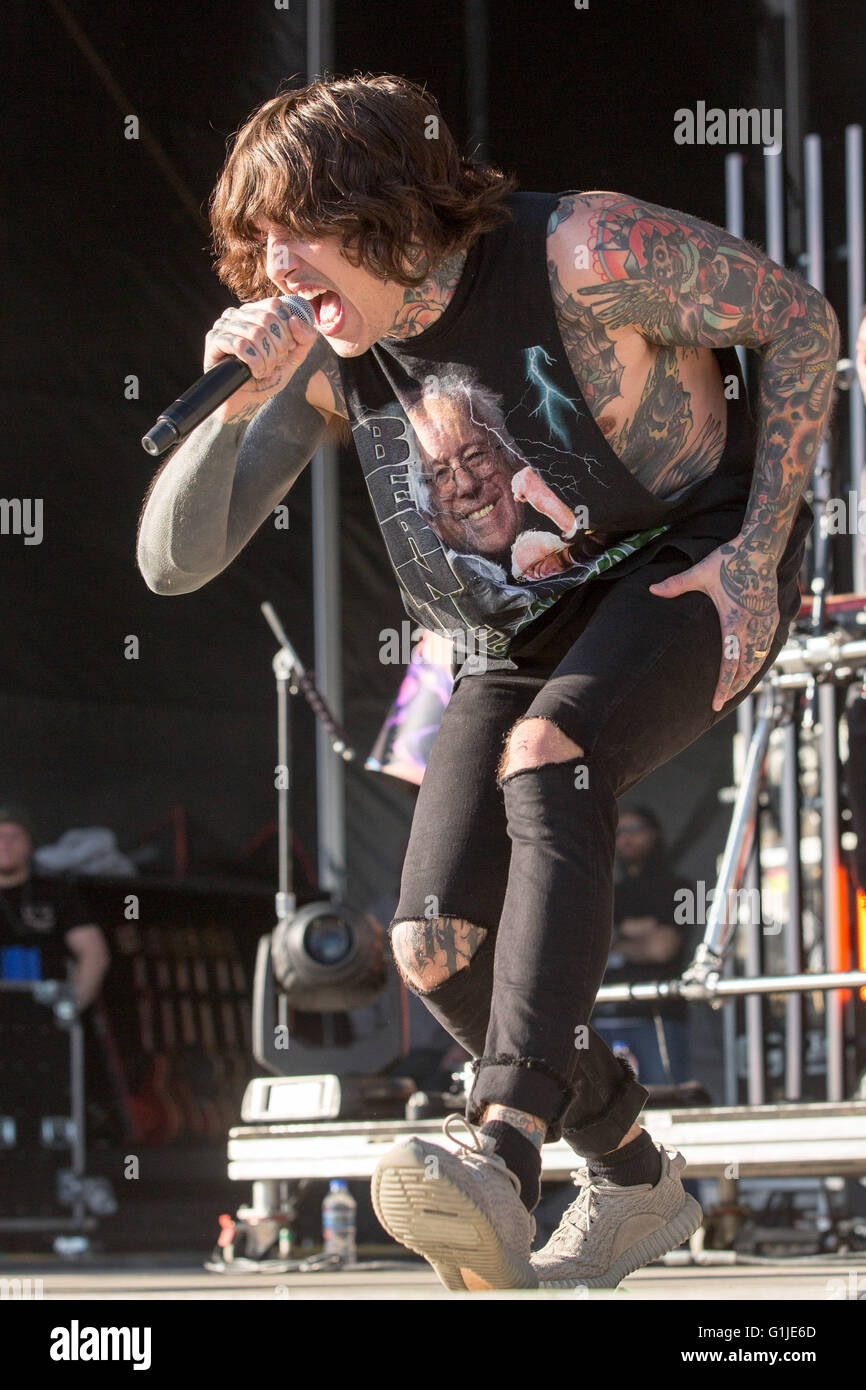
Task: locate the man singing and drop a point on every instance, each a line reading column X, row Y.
column 467, row 332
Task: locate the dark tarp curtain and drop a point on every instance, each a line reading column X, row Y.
column 111, row 278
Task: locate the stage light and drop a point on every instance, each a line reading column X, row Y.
column 328, row 940
column 328, row 958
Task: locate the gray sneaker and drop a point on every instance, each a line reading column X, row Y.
column 461, row 1211
column 610, row 1231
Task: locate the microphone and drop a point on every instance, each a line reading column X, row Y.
column 203, row 397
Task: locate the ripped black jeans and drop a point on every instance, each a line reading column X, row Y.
column 629, row 677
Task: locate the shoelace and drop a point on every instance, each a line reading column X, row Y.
column 476, row 1149
column 456, row 1117
column 584, row 1208
column 475, row 1152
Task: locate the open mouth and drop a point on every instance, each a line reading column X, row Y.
column 328, row 309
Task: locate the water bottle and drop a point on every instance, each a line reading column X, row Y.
column 338, row 1222
column 622, row 1049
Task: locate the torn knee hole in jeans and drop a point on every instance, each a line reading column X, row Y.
column 574, row 761
column 528, row 719
column 578, row 760
column 503, row 775
column 434, row 949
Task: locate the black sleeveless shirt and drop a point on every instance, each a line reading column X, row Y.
column 495, row 490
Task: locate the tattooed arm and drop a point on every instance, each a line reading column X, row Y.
column 220, row 485
column 679, row 282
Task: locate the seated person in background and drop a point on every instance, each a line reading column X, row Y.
column 646, row 946
column 45, row 914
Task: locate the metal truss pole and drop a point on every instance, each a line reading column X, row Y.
column 325, row 475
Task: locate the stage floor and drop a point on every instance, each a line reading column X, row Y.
column 822, row 1279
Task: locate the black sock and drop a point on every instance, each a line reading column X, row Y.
column 637, row 1161
column 520, row 1155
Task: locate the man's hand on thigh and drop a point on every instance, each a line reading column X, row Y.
column 744, row 588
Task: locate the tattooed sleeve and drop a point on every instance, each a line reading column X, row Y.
column 685, row 284
column 218, row 487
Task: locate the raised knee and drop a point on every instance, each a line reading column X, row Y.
column 428, row 951
column 533, row 742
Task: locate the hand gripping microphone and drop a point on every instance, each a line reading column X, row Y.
column 217, row 384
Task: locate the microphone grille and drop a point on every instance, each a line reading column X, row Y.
column 301, row 308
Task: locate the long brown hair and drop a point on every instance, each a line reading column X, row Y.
column 365, row 157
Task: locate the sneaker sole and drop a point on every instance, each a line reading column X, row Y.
column 652, row 1247
column 435, row 1218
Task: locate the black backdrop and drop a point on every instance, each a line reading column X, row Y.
column 109, row 277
